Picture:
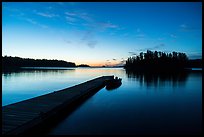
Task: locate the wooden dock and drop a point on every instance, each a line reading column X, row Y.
column 19, row 117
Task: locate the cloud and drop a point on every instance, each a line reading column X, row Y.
column 85, row 16
column 195, row 55
column 81, row 15
column 173, row 36
column 92, row 26
column 92, row 44
column 153, row 48
column 71, row 23
column 114, row 59
column 140, row 35
column 68, row 41
column 186, row 28
column 71, row 19
column 122, row 62
column 70, row 13
column 88, row 37
column 159, row 46
column 31, row 21
column 132, row 53
column 48, row 15
column 89, row 34
column 90, row 22
column 36, row 23
column 183, row 26
column 106, row 25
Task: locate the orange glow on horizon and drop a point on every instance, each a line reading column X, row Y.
column 93, row 64
column 99, row 64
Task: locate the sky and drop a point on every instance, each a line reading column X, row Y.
column 100, row 33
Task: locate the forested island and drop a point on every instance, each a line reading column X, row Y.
column 12, row 63
column 161, row 62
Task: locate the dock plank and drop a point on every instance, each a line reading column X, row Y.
column 21, row 116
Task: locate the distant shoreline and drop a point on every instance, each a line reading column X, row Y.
column 72, row 68
column 16, row 63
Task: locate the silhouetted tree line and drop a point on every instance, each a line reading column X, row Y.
column 159, row 61
column 17, row 62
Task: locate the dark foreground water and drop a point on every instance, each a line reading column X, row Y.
column 143, row 104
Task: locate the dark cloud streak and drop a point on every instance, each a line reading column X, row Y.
column 153, row 48
column 92, row 44
column 132, row 53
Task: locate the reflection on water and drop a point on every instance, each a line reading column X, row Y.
column 158, row 79
column 33, row 75
column 143, row 104
column 32, row 71
column 19, row 85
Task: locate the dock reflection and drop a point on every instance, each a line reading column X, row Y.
column 113, row 87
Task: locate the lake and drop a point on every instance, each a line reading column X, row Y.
column 143, row 104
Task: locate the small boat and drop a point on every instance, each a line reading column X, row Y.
column 113, row 84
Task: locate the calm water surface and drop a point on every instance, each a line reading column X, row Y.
column 143, row 104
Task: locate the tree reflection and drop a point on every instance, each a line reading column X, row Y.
column 36, row 71
column 158, row 79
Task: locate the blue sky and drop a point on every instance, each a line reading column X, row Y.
column 100, row 33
